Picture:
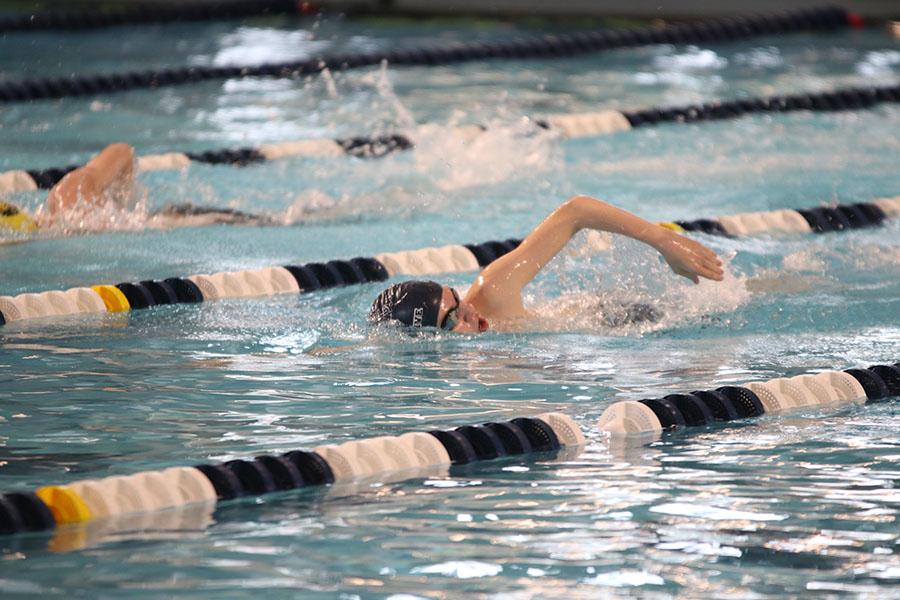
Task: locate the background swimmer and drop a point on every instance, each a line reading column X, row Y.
column 108, row 179
column 495, row 298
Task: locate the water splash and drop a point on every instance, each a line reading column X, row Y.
column 631, row 293
column 84, row 216
column 457, row 157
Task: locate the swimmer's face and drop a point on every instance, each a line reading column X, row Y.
column 454, row 309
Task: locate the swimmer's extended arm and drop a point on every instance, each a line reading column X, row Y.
column 110, row 172
column 497, row 292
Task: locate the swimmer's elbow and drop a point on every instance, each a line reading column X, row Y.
column 576, row 203
column 574, row 211
column 121, row 148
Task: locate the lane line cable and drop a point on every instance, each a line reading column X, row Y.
column 203, row 287
column 548, row 46
column 568, row 126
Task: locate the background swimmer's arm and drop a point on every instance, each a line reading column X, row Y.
column 497, row 292
column 111, row 171
column 187, row 215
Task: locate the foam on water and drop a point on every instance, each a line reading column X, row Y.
column 455, row 160
column 630, row 292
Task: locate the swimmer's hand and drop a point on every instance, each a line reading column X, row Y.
column 688, row 258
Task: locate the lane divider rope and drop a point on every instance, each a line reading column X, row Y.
column 80, row 501
column 407, row 455
column 203, row 287
column 568, row 126
column 651, row 416
column 827, row 18
column 151, row 13
column 363, row 147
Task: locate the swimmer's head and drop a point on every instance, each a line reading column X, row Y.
column 13, row 218
column 413, row 303
column 420, row 304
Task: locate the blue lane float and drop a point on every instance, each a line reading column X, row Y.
column 404, row 456
column 315, row 276
column 547, row 46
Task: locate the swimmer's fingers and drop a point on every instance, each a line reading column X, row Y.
column 704, row 261
column 703, row 252
column 708, row 268
column 691, row 259
column 689, row 275
column 711, row 268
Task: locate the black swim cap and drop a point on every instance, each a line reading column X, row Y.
column 414, row 303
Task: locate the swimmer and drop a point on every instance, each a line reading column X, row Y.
column 495, row 298
column 108, row 178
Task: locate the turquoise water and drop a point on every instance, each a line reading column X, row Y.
column 799, row 505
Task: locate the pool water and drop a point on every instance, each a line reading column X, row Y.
column 797, row 505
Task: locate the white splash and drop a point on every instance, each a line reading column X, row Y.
column 130, row 215
column 456, row 157
column 632, row 293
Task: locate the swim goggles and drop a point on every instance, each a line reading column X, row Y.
column 452, row 316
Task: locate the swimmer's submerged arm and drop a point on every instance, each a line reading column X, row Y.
column 498, row 289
